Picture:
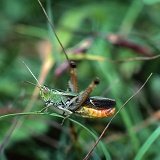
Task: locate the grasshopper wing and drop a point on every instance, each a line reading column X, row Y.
column 97, row 107
column 99, row 102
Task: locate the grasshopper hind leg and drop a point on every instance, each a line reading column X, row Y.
column 77, row 102
column 73, row 82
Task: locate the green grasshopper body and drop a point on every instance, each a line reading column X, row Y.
column 72, row 102
column 67, row 102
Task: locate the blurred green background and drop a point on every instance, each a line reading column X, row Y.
column 93, row 33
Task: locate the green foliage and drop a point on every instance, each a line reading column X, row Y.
column 114, row 30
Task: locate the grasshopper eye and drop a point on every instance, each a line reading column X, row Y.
column 45, row 90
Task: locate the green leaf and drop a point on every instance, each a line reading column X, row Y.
column 148, row 144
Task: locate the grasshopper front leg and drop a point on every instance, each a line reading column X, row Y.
column 45, row 109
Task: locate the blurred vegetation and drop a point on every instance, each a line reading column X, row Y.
column 93, row 33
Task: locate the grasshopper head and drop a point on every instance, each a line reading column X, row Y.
column 45, row 93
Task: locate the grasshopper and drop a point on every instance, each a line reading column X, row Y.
column 72, row 102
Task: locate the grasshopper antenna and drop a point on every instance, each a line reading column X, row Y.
column 31, row 74
column 53, row 29
column 31, row 84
